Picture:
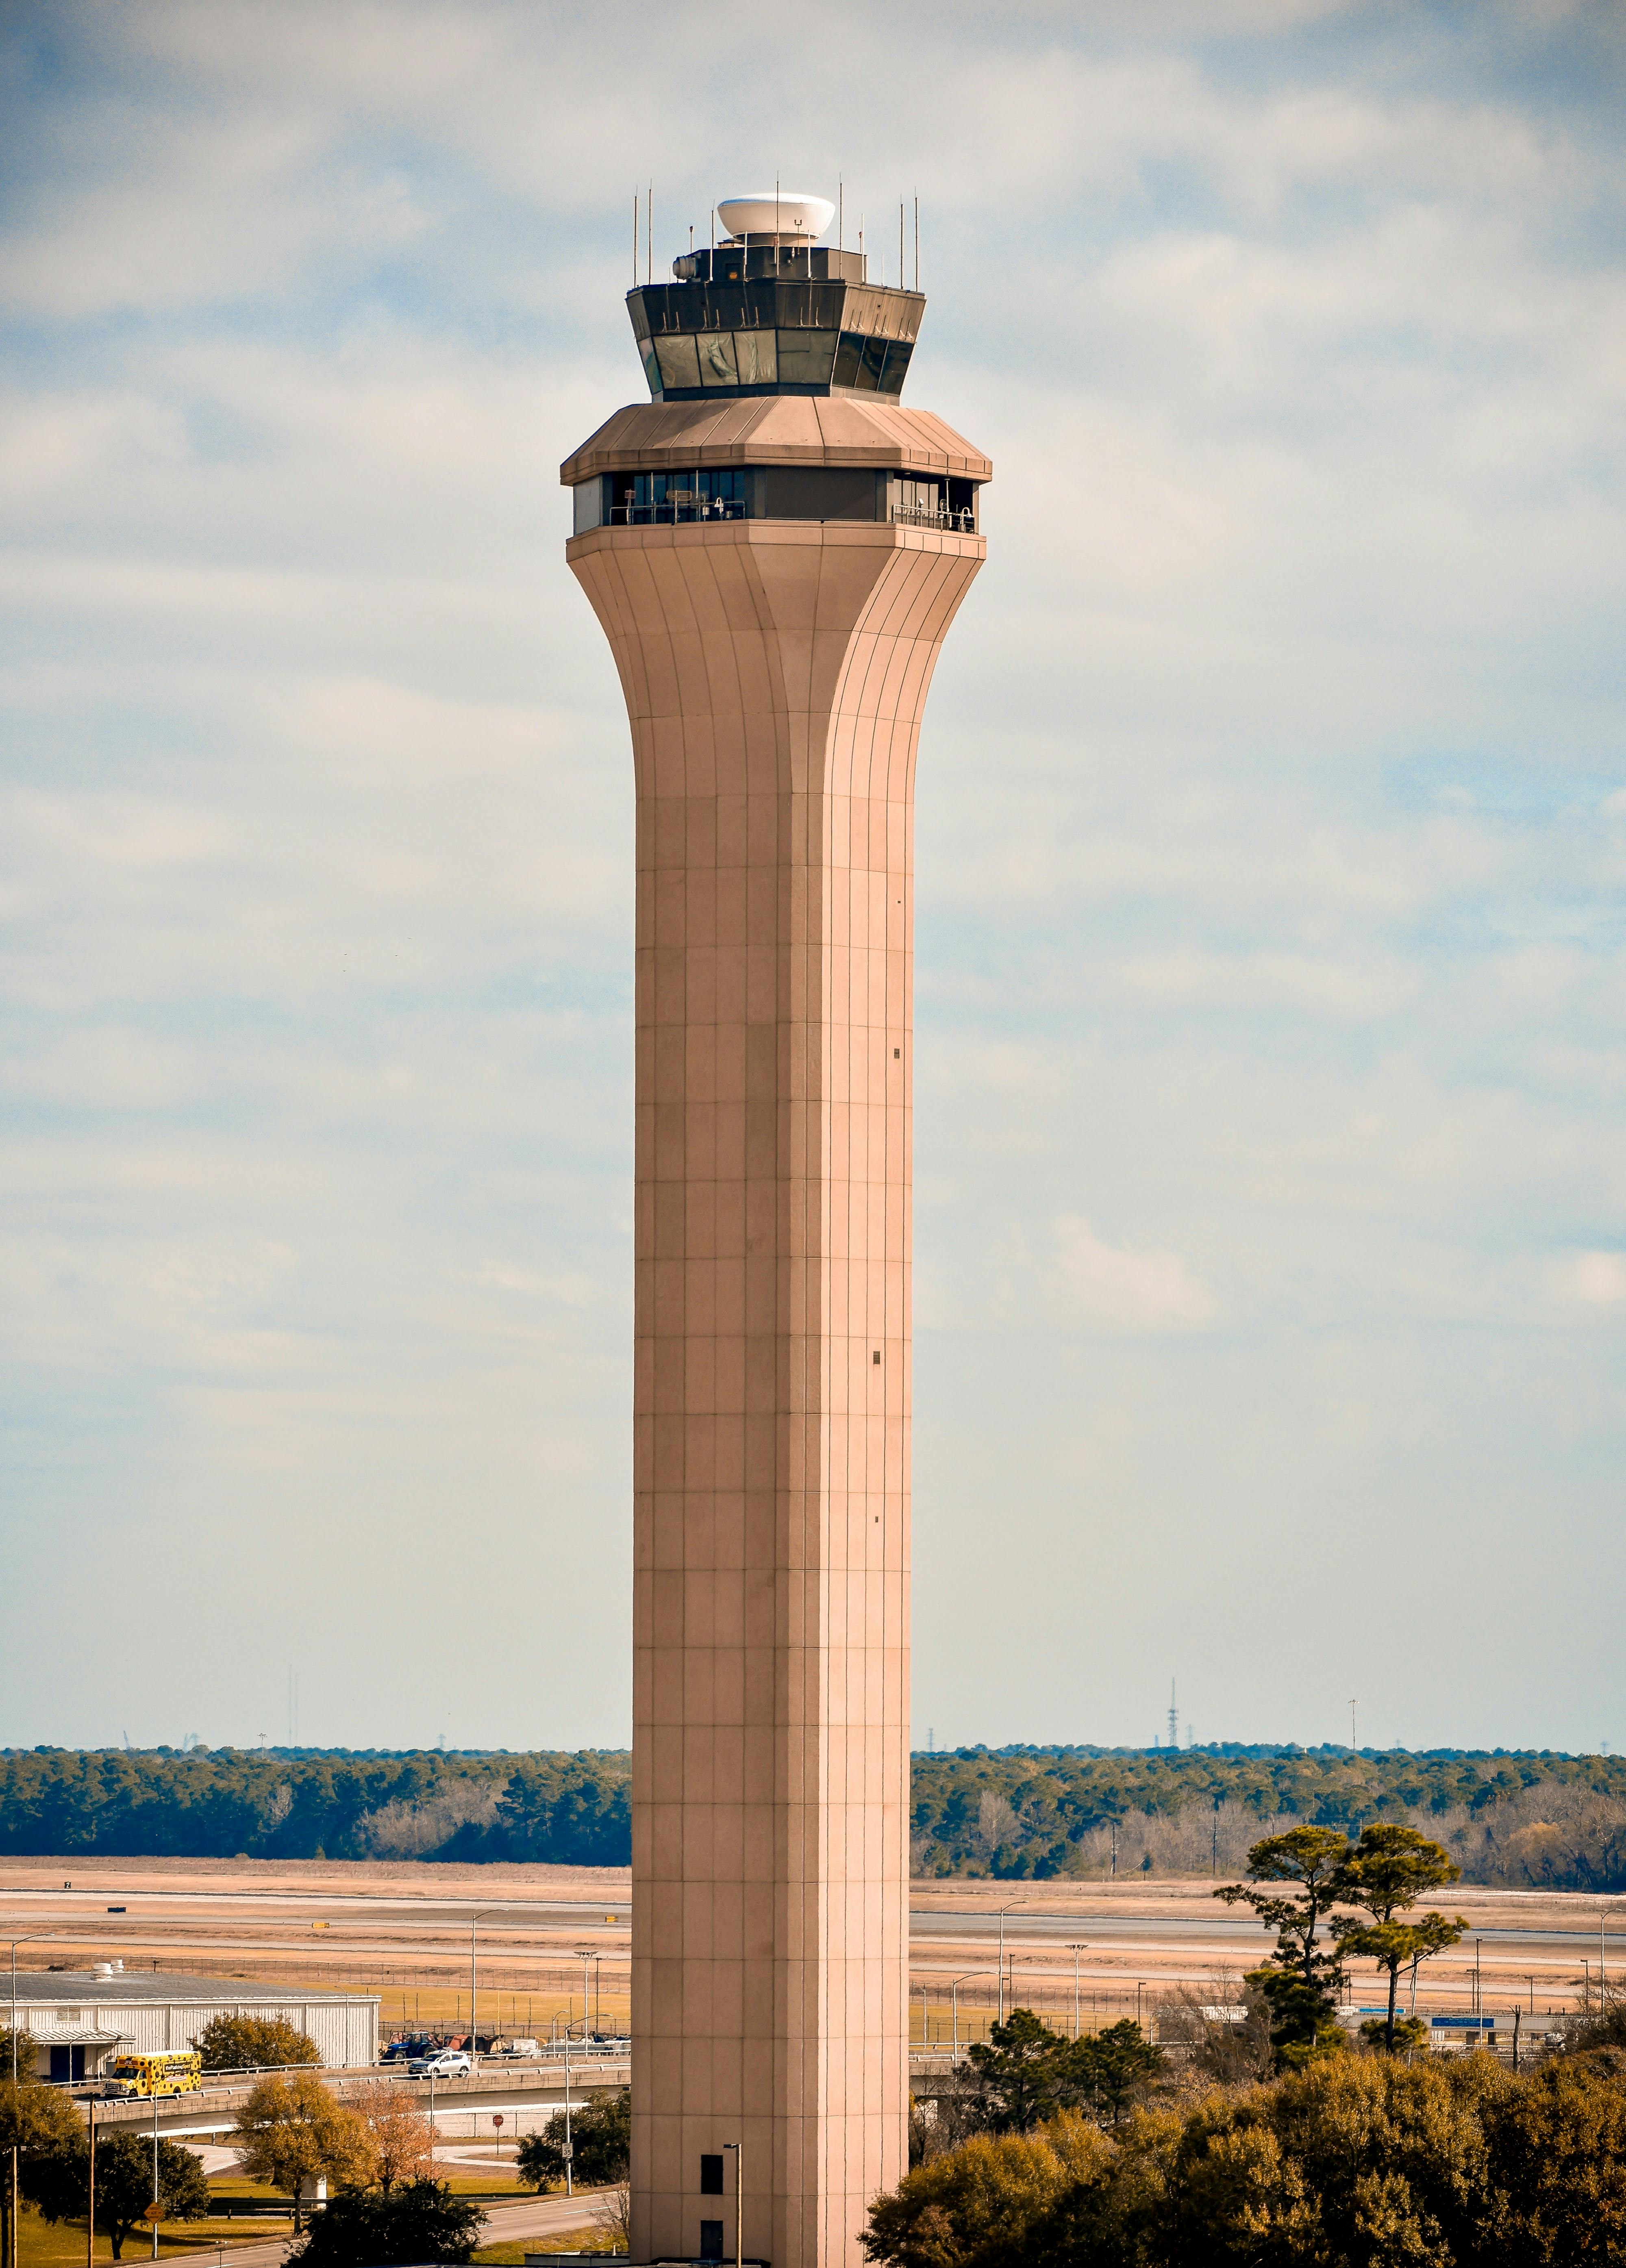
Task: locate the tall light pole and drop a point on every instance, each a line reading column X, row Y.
column 474, row 1920
column 584, row 1958
column 155, row 2172
column 954, row 2002
column 1076, row 1950
column 569, row 2148
column 1004, row 1911
column 739, row 2198
column 32, row 1938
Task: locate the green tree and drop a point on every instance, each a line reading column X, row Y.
column 1304, row 1973
column 1113, row 2068
column 365, row 2228
column 1025, row 2074
column 254, row 2043
column 34, row 2121
column 600, row 2145
column 58, row 2181
column 295, row 2131
column 998, row 2201
column 1387, row 1872
column 1556, row 2185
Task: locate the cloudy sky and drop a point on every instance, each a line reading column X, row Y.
column 1271, row 1214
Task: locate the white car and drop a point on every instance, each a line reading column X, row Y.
column 445, row 2062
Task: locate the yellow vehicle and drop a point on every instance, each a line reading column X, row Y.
column 180, row 2072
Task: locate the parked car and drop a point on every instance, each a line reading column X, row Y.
column 444, row 2062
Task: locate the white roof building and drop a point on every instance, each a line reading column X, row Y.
column 81, row 2018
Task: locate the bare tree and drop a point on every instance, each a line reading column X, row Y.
column 1219, row 2028
column 612, row 2215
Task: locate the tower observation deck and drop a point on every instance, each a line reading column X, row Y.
column 775, row 546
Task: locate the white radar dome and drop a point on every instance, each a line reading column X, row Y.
column 791, row 213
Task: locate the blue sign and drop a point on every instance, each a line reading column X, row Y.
column 1463, row 2023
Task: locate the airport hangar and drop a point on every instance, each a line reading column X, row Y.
column 81, row 2019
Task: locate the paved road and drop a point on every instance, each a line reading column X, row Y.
column 214, row 2111
column 503, row 1919
column 506, row 2224
column 1214, row 1929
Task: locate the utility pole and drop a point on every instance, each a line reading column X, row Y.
column 1173, row 1719
column 1354, row 1751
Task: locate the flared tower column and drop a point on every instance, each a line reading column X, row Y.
column 775, row 669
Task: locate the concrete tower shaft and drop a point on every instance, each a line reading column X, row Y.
column 776, row 668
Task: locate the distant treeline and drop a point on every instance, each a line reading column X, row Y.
column 1524, row 1819
column 267, row 1803
column 1023, row 1813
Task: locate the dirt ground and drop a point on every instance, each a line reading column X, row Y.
column 400, row 1928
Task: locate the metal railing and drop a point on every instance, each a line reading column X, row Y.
column 675, row 511
column 953, row 523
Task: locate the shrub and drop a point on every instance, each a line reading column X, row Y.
column 371, row 2228
column 600, row 2141
column 253, row 2043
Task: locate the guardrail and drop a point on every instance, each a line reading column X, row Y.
column 951, row 523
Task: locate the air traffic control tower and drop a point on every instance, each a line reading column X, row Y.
column 775, row 546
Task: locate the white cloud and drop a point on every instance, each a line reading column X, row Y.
column 1108, row 1287
column 1591, row 1280
column 1267, row 910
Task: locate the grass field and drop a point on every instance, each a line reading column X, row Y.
column 61, row 2244
column 562, row 2240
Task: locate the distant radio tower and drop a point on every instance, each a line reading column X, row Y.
column 1173, row 1719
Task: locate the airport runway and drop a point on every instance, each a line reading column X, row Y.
column 338, row 1926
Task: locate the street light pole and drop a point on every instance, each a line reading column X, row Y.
column 155, row 2174
column 474, row 1920
column 1076, row 1950
column 1004, row 1911
column 32, row 1937
column 569, row 2149
column 739, row 2200
column 954, row 2002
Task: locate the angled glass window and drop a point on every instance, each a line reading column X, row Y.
column 679, row 363
column 805, row 357
column 754, row 357
column 651, row 368
column 588, row 499
column 898, row 353
column 847, row 357
column 716, row 359
column 870, row 362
